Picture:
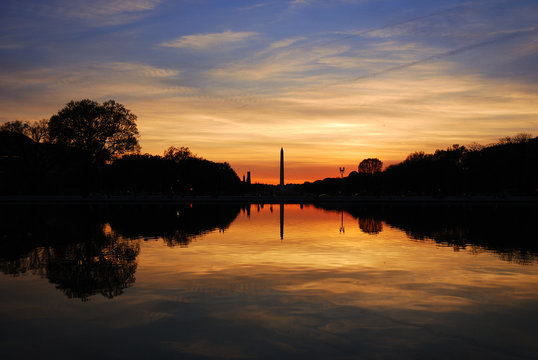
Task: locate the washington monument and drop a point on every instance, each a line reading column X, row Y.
column 281, row 167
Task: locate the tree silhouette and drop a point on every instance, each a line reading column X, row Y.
column 103, row 130
column 517, row 139
column 16, row 126
column 37, row 131
column 370, row 166
column 177, row 173
column 177, row 154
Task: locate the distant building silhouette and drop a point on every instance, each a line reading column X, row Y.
column 281, row 167
column 248, row 178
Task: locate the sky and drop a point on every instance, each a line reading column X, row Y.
column 332, row 82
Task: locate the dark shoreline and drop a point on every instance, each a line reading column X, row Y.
column 249, row 199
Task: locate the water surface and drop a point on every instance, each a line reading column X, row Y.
column 269, row 281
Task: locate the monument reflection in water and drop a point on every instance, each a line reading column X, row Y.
column 269, row 281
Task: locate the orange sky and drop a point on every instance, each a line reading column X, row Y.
column 326, row 128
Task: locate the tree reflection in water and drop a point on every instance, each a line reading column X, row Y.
column 70, row 248
column 177, row 225
column 84, row 269
column 370, row 225
column 86, row 250
column 507, row 230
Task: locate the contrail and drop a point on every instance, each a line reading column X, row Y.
column 446, row 53
column 452, row 52
column 435, row 13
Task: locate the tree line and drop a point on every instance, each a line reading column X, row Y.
column 88, row 147
column 508, row 167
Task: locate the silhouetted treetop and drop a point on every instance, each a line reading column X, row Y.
column 39, row 131
column 517, row 139
column 178, row 172
column 417, row 156
column 370, row 166
column 16, row 126
column 103, row 130
column 177, row 154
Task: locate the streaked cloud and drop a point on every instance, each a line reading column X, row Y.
column 295, row 3
column 209, row 41
column 285, row 42
column 255, row 6
column 102, row 12
column 143, row 70
column 80, row 8
column 293, row 63
column 50, row 87
column 452, row 52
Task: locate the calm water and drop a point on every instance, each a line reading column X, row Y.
column 274, row 282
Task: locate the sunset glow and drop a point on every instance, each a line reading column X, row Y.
column 332, row 82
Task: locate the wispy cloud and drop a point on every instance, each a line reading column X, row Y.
column 141, row 70
column 278, row 45
column 114, row 79
column 297, row 3
column 255, row 6
column 95, row 8
column 285, row 42
column 505, row 36
column 281, row 63
column 440, row 19
column 103, row 12
column 210, row 40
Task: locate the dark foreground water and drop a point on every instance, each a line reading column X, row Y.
column 268, row 282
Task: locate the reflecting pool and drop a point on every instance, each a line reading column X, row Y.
column 269, row 281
